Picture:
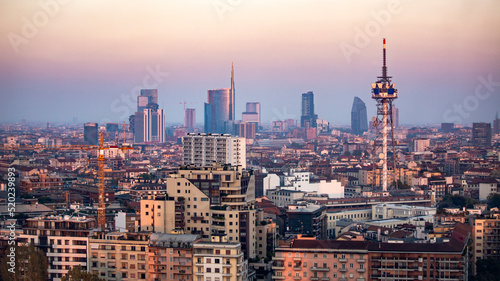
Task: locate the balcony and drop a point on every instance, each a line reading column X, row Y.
column 361, row 261
column 297, row 268
column 361, row 270
column 343, row 269
column 325, row 269
column 297, row 278
column 314, row 278
column 342, row 260
column 277, row 267
column 279, row 277
column 325, row 278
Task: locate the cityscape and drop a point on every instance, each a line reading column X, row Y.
column 232, row 140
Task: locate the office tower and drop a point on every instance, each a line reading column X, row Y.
column 245, row 129
column 496, row 125
column 219, row 108
column 147, row 99
column 481, row 134
column 359, row 123
column 252, row 113
column 204, row 150
column 112, row 128
column 148, row 123
column 447, row 127
column 90, row 133
column 308, row 118
column 190, row 118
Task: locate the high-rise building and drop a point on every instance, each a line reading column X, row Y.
column 148, row 123
column 217, row 110
column 359, row 122
column 220, row 108
column 90, row 133
column 308, row 118
column 447, row 127
column 395, row 116
column 252, row 113
column 496, row 125
column 204, row 150
column 190, row 118
column 421, row 144
column 481, row 134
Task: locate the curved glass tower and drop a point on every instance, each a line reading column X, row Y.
column 359, row 122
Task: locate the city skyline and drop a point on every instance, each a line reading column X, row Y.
column 448, row 67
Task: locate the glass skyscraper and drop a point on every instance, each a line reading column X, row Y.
column 219, row 109
column 359, row 122
column 308, row 118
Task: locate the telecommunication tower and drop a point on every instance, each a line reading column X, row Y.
column 384, row 92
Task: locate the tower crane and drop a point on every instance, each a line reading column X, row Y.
column 101, row 207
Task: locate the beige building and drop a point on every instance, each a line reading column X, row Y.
column 486, row 238
column 234, row 189
column 184, row 208
column 219, row 260
column 119, row 256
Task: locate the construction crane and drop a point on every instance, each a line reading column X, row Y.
column 101, row 207
column 120, row 124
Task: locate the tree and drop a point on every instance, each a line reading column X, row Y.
column 487, row 270
column 30, row 264
column 78, row 274
column 493, row 200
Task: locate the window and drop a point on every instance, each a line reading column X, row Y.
column 209, row 270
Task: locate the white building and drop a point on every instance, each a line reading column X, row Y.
column 205, row 149
column 301, row 181
column 392, row 211
column 420, row 145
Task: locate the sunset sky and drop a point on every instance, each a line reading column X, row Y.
column 86, row 59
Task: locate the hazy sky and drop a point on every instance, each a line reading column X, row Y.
column 87, row 59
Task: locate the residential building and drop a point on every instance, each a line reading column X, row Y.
column 421, row 145
column 119, row 256
column 480, row 188
column 206, row 149
column 63, row 238
column 190, row 118
column 308, row 220
column 486, row 238
column 481, row 135
column 219, row 260
column 171, row 256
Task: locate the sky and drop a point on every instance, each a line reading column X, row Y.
column 66, row 59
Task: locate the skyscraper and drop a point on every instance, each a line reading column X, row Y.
column 395, row 116
column 496, row 125
column 90, row 133
column 219, row 108
column 308, row 118
column 190, row 118
column 481, row 134
column 359, row 121
column 149, row 121
column 252, row 113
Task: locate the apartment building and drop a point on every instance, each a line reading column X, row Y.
column 234, row 215
column 311, row 259
column 219, row 260
column 206, row 149
column 486, row 238
column 184, row 207
column 171, row 256
column 63, row 238
column 117, row 256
